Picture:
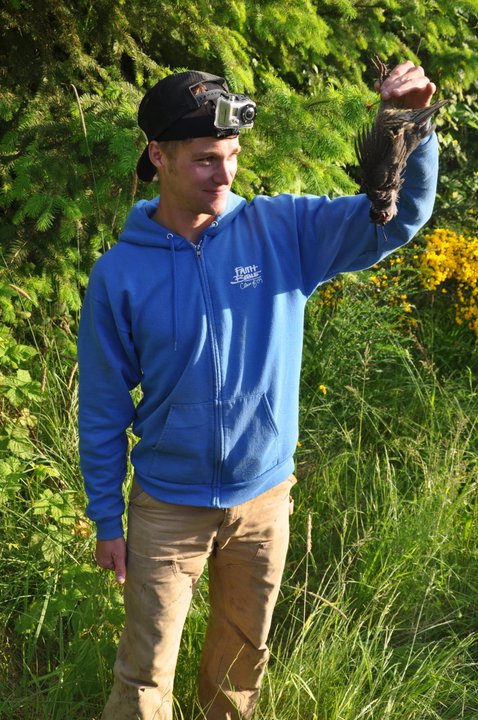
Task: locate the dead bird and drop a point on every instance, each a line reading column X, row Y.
column 383, row 150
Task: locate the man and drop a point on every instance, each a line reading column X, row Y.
column 201, row 303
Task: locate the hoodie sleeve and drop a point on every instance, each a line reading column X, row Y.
column 337, row 236
column 109, row 369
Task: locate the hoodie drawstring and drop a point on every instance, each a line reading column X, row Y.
column 170, row 237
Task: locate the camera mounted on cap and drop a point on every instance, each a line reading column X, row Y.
column 232, row 112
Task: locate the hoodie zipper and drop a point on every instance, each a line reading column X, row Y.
column 218, row 436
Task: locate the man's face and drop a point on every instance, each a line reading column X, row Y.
column 197, row 175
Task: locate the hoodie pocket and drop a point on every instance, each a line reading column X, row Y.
column 251, row 438
column 184, row 452
column 188, row 448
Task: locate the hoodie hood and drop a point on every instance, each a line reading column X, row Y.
column 141, row 229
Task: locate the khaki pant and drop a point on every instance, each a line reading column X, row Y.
column 168, row 546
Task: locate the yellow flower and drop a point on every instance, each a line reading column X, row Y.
column 453, row 258
column 323, row 389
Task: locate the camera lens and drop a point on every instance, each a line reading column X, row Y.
column 248, row 114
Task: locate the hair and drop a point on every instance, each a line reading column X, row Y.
column 169, row 147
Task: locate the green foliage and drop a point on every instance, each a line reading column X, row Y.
column 459, row 179
column 377, row 618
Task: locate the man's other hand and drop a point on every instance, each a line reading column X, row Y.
column 111, row 555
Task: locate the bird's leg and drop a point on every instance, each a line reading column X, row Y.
column 381, row 68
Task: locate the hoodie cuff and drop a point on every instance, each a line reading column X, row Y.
column 426, row 139
column 109, row 529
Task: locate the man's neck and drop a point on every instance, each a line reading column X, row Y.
column 188, row 226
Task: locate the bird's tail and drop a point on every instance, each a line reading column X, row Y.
column 423, row 114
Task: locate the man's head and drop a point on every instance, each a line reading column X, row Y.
column 187, row 105
column 195, row 176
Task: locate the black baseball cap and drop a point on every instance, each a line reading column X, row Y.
column 178, row 107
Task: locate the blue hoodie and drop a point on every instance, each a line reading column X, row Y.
column 213, row 334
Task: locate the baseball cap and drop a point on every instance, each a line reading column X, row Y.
column 179, row 106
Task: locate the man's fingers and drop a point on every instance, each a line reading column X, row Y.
column 119, row 568
column 111, row 555
column 404, row 83
column 409, row 85
column 105, row 563
column 404, row 69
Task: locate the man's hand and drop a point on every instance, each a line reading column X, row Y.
column 408, row 85
column 111, row 555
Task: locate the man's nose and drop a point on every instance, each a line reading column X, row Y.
column 223, row 174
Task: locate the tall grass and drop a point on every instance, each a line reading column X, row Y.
column 377, row 616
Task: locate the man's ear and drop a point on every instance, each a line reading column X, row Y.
column 155, row 154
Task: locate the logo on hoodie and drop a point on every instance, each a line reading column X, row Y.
column 247, row 276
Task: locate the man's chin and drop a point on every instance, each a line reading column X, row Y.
column 218, row 203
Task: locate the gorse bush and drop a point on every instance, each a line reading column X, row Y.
column 442, row 261
column 449, row 262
